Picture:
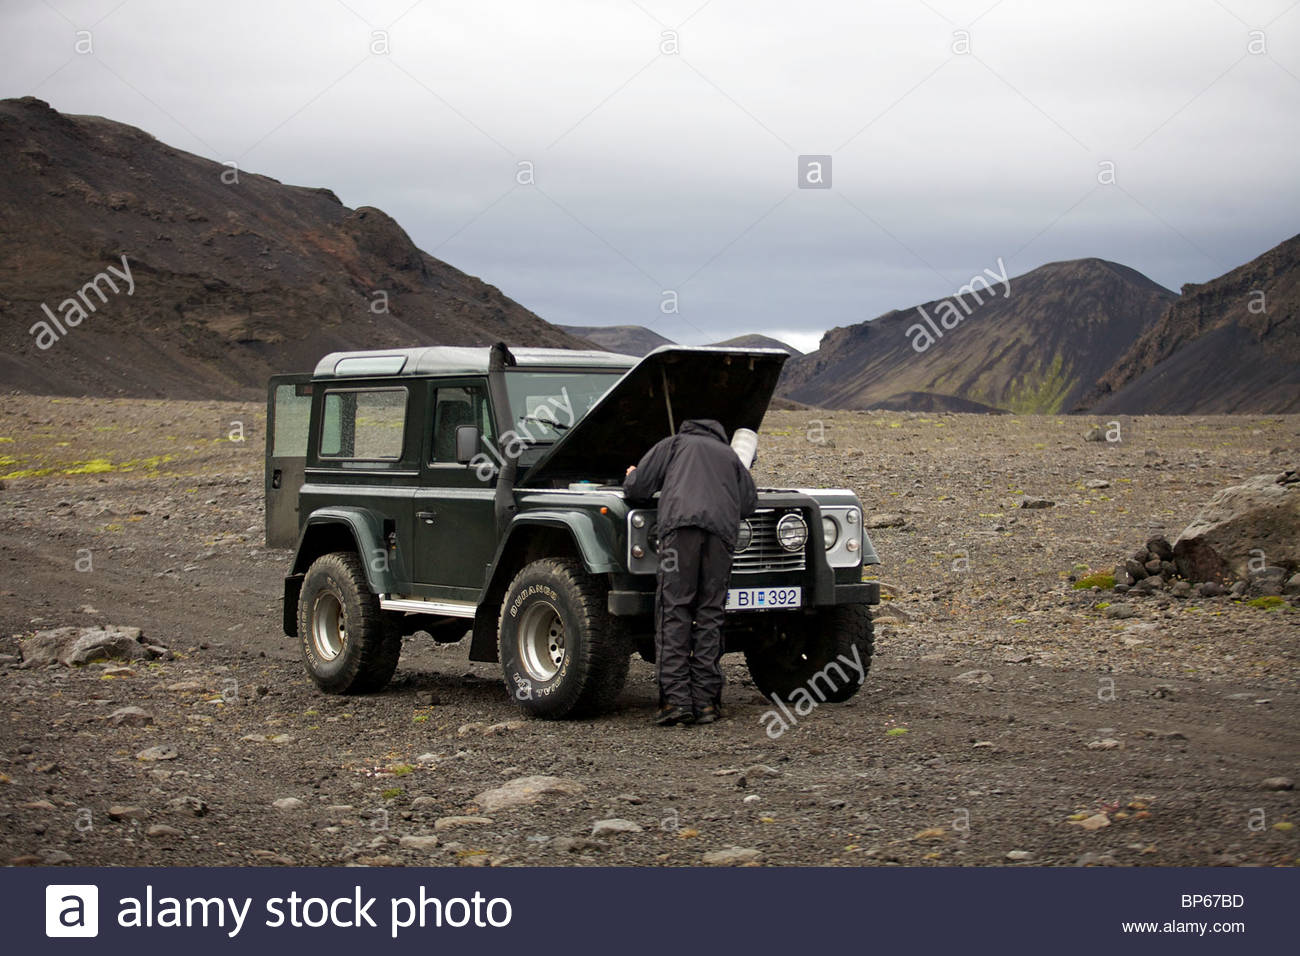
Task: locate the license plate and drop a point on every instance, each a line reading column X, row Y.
column 763, row 599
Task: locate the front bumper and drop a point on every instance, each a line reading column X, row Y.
column 625, row 603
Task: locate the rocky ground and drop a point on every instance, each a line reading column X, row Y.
column 1008, row 717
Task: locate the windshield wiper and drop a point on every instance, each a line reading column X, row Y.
column 558, row 426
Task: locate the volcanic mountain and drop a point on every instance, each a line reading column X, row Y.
column 233, row 276
column 639, row 340
column 624, row 339
column 757, row 341
column 1026, row 344
column 1230, row 345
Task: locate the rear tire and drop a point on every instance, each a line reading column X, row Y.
column 347, row 644
column 562, row 653
column 820, row 654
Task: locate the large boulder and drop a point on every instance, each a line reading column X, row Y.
column 1242, row 530
column 72, row 646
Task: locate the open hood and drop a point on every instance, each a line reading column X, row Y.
column 650, row 402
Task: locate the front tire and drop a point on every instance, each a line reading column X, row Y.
column 347, row 646
column 821, row 654
column 562, row 653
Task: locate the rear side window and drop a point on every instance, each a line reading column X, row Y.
column 291, row 414
column 363, row 424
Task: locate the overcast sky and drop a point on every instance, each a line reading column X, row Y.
column 664, row 136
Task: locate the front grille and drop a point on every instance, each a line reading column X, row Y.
column 765, row 552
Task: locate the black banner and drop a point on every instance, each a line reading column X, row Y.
column 633, row 911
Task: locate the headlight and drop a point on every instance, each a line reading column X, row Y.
column 830, row 531
column 744, row 535
column 792, row 532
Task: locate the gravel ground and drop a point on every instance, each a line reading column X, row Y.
column 1005, row 712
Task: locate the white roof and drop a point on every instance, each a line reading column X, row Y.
column 455, row 359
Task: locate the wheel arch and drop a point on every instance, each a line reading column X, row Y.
column 531, row 537
column 337, row 529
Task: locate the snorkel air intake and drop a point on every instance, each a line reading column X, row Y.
column 503, row 502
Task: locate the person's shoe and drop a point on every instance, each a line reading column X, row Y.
column 673, row 714
column 708, row 714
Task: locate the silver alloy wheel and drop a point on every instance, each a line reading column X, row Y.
column 328, row 629
column 541, row 641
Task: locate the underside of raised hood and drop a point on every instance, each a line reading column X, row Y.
column 650, row 402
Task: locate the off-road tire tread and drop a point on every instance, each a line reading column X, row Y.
column 371, row 661
column 607, row 651
column 849, row 626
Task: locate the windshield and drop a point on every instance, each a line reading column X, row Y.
column 544, row 405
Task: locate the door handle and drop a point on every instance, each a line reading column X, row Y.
column 426, row 516
column 277, row 478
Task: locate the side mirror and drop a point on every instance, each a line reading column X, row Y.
column 467, row 438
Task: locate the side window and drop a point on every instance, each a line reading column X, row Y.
column 364, row 424
column 292, row 414
column 453, row 407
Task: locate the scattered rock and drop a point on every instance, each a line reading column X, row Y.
column 186, row 687
column 466, row 730
column 72, row 646
column 1095, row 822
column 288, row 803
column 614, row 825
column 1108, row 743
column 1160, row 548
column 885, row 520
column 130, row 717
column 523, row 791
column 504, row 727
column 191, row 805
column 974, row 677
column 732, row 856
column 1095, row 859
column 1018, row 856
column 1277, row 783
column 1037, row 503
column 122, row 812
column 159, row 830
column 160, row 752
column 1209, row 589
column 1095, row 484
column 447, row 823
column 568, row 844
column 55, row 857
column 425, row 842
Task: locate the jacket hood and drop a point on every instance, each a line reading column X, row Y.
column 704, row 426
column 716, row 390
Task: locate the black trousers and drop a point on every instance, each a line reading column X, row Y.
column 694, row 566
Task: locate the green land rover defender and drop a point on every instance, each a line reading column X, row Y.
column 476, row 492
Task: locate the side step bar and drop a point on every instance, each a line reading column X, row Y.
column 420, row 606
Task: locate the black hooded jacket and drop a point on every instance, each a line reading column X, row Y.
column 701, row 482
